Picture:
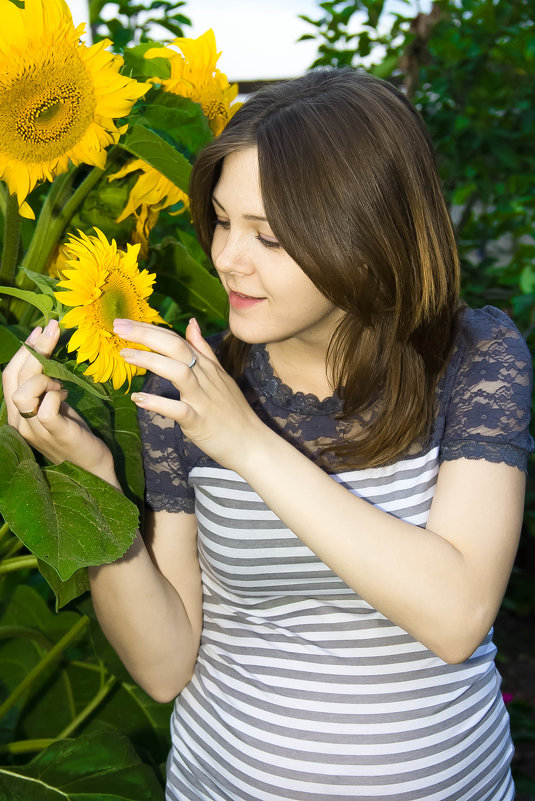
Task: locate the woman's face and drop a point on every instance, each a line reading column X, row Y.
column 271, row 299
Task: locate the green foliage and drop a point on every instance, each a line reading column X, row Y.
column 64, row 693
column 127, row 23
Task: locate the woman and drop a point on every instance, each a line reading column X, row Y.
column 336, row 488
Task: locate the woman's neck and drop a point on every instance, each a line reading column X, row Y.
column 301, row 367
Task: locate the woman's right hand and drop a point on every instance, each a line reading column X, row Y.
column 56, row 430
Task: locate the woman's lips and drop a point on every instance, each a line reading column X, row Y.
column 238, row 301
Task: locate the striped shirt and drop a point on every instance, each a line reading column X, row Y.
column 302, row 690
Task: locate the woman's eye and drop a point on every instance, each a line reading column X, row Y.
column 223, row 223
column 268, row 243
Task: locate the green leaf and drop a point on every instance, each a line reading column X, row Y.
column 65, row 591
column 92, row 767
column 197, row 289
column 67, row 517
column 137, row 66
column 44, row 303
column 46, row 284
column 58, row 370
column 178, row 120
column 9, row 344
column 147, row 145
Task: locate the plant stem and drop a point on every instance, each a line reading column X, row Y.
column 7, row 632
column 68, row 639
column 27, row 746
column 4, row 530
column 10, row 251
column 87, row 710
column 18, row 563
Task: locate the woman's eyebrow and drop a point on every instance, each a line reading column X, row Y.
column 245, row 216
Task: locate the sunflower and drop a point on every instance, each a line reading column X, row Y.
column 194, row 75
column 151, row 193
column 58, row 98
column 102, row 283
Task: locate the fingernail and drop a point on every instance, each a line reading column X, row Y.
column 138, row 397
column 123, row 326
column 34, row 335
column 51, row 328
column 195, row 324
column 128, row 355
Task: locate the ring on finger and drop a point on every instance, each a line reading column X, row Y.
column 28, row 415
column 193, row 362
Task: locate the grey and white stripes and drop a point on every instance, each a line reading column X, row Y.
column 303, row 691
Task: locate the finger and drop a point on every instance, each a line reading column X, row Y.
column 178, row 372
column 176, row 410
column 11, row 370
column 49, row 415
column 28, row 395
column 156, row 339
column 195, row 338
column 44, row 344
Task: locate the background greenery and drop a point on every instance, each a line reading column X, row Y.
column 469, row 67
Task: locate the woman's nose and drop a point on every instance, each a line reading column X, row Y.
column 232, row 256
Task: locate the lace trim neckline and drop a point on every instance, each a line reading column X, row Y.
column 281, row 394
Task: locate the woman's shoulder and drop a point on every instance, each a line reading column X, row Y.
column 485, row 393
column 479, row 327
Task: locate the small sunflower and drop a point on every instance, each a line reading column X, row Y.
column 151, row 193
column 194, row 75
column 58, row 97
column 102, row 283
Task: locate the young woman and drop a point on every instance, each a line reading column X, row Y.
column 336, row 486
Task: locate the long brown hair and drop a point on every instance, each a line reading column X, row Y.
column 350, row 189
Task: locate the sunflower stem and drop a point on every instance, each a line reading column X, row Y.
column 56, row 214
column 38, row 253
column 10, row 250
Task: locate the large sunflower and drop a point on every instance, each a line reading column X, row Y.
column 58, row 98
column 102, row 283
column 151, row 193
column 194, row 74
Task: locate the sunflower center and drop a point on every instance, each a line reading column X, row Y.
column 49, row 119
column 47, row 109
column 114, row 302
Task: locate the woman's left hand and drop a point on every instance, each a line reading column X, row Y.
column 212, row 410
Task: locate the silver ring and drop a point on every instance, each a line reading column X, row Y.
column 193, row 362
column 28, row 415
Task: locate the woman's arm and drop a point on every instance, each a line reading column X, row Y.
column 443, row 585
column 149, row 604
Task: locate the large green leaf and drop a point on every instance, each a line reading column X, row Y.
column 116, row 422
column 93, row 767
column 66, row 516
column 147, row 145
column 184, row 278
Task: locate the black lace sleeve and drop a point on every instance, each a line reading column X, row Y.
column 489, row 405
column 166, row 478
